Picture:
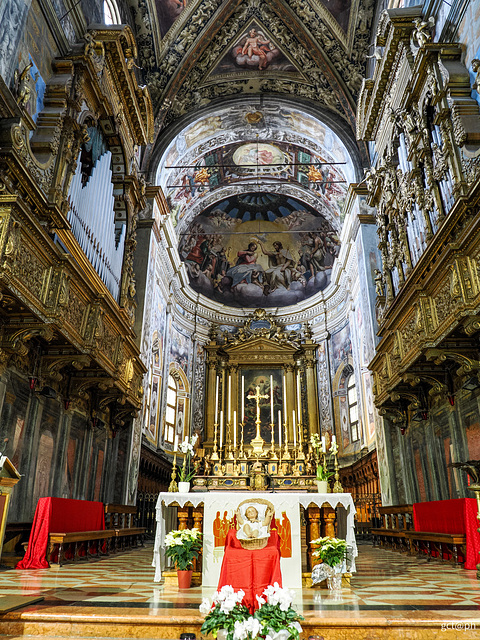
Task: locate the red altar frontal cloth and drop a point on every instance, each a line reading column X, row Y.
column 451, row 516
column 251, row 571
column 59, row 515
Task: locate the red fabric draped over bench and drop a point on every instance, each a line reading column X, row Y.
column 59, row 515
column 251, row 571
column 451, row 516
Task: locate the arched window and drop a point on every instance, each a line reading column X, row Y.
column 110, row 12
column 352, row 402
column 171, row 412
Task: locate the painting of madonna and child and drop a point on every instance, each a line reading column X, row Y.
column 259, row 250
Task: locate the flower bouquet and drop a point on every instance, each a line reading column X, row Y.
column 228, row 619
column 224, row 612
column 279, row 620
column 183, row 546
column 318, row 445
column 332, row 552
column 188, row 470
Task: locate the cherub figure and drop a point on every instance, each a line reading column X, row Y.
column 252, row 527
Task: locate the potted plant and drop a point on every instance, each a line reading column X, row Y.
column 322, row 474
column 278, row 618
column 228, row 619
column 183, row 546
column 225, row 610
column 188, row 470
column 332, row 552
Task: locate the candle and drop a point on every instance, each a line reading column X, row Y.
column 279, row 428
column 271, row 399
column 216, row 402
column 323, row 445
column 299, row 400
column 234, row 429
column 294, row 429
column 284, row 397
column 229, row 398
column 243, row 399
column 175, row 446
column 221, row 430
column 334, row 440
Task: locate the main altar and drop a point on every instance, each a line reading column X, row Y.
column 261, row 410
column 213, row 513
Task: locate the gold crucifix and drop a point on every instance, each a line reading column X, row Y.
column 258, row 442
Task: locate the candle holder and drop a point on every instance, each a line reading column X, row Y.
column 228, row 452
column 286, row 452
column 214, row 456
column 273, row 455
column 337, row 487
column 173, row 486
column 300, row 455
column 241, row 453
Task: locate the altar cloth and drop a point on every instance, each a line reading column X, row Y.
column 289, row 502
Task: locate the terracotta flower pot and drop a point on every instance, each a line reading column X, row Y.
column 184, row 578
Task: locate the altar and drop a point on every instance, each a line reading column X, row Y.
column 218, row 514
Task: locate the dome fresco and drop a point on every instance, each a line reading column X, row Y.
column 259, row 250
column 256, row 195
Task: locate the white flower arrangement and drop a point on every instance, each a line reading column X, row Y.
column 275, row 615
column 183, row 546
column 186, row 472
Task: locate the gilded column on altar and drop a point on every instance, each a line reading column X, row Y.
column 311, row 381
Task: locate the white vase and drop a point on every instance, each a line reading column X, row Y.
column 183, row 487
column 322, row 486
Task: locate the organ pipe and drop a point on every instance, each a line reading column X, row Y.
column 92, row 219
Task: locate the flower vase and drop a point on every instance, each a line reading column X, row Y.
column 334, row 578
column 183, row 487
column 184, row 578
column 322, row 486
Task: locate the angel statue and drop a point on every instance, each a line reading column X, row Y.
column 22, row 85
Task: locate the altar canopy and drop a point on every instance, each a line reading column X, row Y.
column 219, row 508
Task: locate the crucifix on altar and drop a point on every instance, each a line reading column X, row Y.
column 258, row 442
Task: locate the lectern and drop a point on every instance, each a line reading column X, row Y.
column 9, row 477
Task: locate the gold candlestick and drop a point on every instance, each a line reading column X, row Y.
column 173, row 486
column 301, row 455
column 273, row 455
column 286, row 453
column 337, row 487
column 215, row 453
column 241, row 453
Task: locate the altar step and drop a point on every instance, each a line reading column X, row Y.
column 117, row 623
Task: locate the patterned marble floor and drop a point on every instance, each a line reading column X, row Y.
column 388, row 585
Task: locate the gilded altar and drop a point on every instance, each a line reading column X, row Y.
column 261, row 407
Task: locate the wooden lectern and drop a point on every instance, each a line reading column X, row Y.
column 9, row 477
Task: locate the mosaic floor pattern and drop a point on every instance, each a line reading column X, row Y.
column 387, row 589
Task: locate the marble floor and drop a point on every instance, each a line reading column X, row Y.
column 389, row 591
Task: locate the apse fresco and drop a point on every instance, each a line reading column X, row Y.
column 167, row 12
column 340, row 10
column 259, row 250
column 254, row 50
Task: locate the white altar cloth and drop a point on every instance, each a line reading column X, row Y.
column 218, row 501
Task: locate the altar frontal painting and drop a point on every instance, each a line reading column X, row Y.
column 259, row 250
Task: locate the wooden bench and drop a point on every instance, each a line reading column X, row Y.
column 422, row 542
column 78, row 545
column 398, row 521
column 120, row 518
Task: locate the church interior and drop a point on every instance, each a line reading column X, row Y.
column 239, row 248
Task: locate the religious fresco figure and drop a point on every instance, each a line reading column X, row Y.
column 279, row 274
column 246, row 265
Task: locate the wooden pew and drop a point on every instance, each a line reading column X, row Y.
column 421, row 542
column 398, row 520
column 120, row 518
column 78, row 545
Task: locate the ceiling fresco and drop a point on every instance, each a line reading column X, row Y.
column 246, row 146
column 259, row 249
column 195, row 51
